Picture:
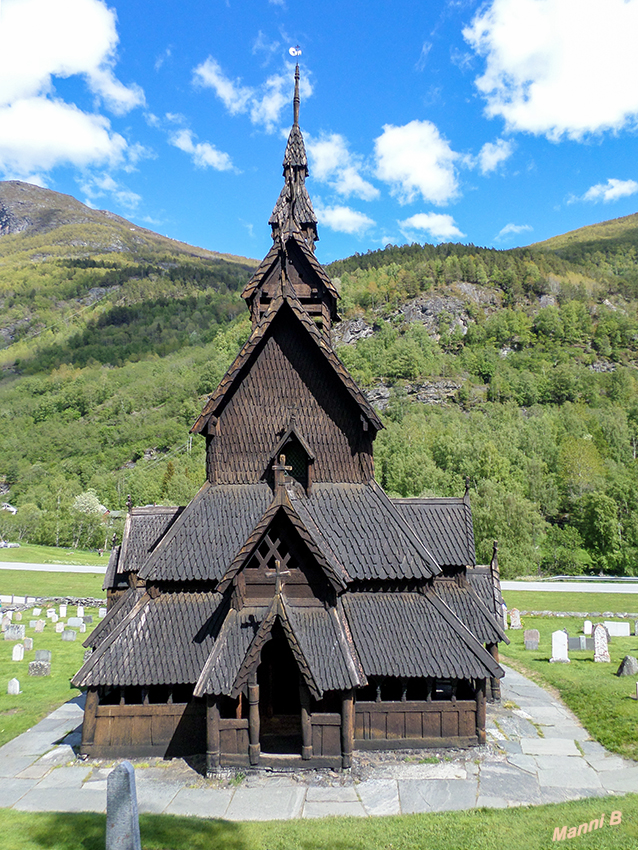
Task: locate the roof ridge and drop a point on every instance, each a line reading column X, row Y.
column 425, row 552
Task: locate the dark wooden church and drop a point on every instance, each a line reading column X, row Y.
column 292, row 612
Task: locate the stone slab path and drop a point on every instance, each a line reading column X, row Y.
column 537, row 752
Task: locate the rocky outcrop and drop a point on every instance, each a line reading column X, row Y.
column 426, row 392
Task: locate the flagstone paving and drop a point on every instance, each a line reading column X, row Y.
column 537, row 752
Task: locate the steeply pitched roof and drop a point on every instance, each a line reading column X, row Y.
column 162, row 641
column 360, row 526
column 469, row 608
column 143, row 529
column 445, row 527
column 487, row 587
column 114, row 616
column 285, row 307
column 202, row 543
column 413, row 635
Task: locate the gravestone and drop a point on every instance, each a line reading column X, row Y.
column 39, row 668
column 14, row 632
column 560, row 652
column 80, row 611
column 28, row 644
column 69, row 634
column 82, row 628
column 101, row 612
column 601, row 648
column 39, row 626
column 63, row 610
column 628, row 666
column 515, row 619
column 9, row 615
column 616, row 629
column 50, row 613
column 6, row 622
column 43, row 655
column 37, row 612
column 17, row 616
column 32, row 624
column 59, row 628
column 87, row 620
column 18, row 652
column 532, row 637
column 13, row 688
column 74, row 622
column 587, row 627
column 122, row 819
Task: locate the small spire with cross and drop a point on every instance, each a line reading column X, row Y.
column 278, row 573
column 280, row 469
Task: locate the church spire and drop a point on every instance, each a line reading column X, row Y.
column 296, row 99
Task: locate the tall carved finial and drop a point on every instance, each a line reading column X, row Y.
column 129, row 503
column 296, row 99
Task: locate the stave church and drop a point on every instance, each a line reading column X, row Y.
column 292, row 613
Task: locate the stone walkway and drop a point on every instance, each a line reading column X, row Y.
column 537, row 752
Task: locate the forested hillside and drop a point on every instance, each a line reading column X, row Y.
column 515, row 369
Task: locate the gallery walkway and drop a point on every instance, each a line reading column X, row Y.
column 537, row 753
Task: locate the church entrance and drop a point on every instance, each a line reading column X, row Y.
column 279, row 701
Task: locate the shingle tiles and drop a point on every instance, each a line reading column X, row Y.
column 444, row 525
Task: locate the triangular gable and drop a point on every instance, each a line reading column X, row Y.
column 257, row 338
column 273, row 257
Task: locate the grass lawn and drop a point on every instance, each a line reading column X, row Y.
column 479, row 829
column 531, row 600
column 600, row 699
column 39, row 696
column 36, row 583
column 31, row 554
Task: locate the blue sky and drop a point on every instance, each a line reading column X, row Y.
column 499, row 123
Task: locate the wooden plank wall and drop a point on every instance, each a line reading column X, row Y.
column 386, row 725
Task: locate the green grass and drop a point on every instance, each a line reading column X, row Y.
column 517, row 829
column 530, row 600
column 29, row 553
column 36, row 583
column 39, row 696
column 601, row 700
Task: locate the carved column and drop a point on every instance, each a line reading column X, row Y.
column 347, row 728
column 90, row 720
column 495, row 684
column 480, row 710
column 253, row 720
column 213, row 748
column 306, row 725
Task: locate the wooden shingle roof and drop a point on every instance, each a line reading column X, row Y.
column 470, row 609
column 445, row 527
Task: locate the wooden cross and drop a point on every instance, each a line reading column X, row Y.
column 280, row 469
column 278, row 573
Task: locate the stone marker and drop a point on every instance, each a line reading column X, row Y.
column 13, row 688
column 87, row 620
column 62, row 610
column 54, row 617
column 50, row 613
column 515, row 619
column 28, row 644
column 559, row 648
column 69, row 634
column 82, row 628
column 628, row 666
column 17, row 616
column 15, row 632
column 32, row 624
column 59, row 628
column 587, row 627
column 532, row 637
column 101, row 612
column 74, row 622
column 37, row 612
column 39, row 626
column 616, row 629
column 43, row 655
column 39, row 668
column 6, row 622
column 18, row 652
column 601, row 648
column 122, row 820
column 80, row 611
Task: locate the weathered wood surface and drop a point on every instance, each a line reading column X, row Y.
column 439, row 720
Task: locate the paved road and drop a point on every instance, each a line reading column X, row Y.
column 537, row 753
column 572, row 586
column 54, row 568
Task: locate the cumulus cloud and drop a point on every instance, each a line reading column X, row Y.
column 343, row 219
column 333, row 163
column 416, row 160
column 439, row 226
column 264, row 104
column 513, row 228
column 203, row 154
column 39, row 42
column 492, row 154
column 558, row 67
column 612, row 190
column 96, row 186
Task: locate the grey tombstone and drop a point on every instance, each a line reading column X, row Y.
column 587, row 627
column 601, row 644
column 560, row 652
column 80, row 611
column 6, row 622
column 74, row 622
column 39, row 668
column 628, row 666
column 17, row 616
column 515, row 619
column 54, row 617
column 18, row 652
column 43, row 655
column 616, row 629
column 69, row 634
column 62, row 610
column 101, row 612
column 28, row 644
column 122, row 819
column 32, row 624
column 87, row 620
column 13, row 688
column 15, row 632
column 532, row 637
column 59, row 628
column 39, row 626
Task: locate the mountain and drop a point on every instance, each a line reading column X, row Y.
column 616, row 230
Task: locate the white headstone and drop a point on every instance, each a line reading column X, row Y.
column 6, row 622
column 54, row 617
column 617, row 629
column 101, row 612
column 39, row 626
column 74, row 622
column 15, row 632
column 18, row 652
column 37, row 612
column 9, row 615
column 17, row 616
column 601, row 647
column 559, row 648
column 28, row 644
column 80, row 610
column 59, row 628
column 50, row 613
column 587, row 627
column 515, row 619
column 63, row 610
column 13, row 688
column 82, row 628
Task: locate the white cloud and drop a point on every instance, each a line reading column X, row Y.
column 416, row 160
column 333, row 163
column 439, row 226
column 513, row 228
column 425, row 51
column 612, row 190
column 96, row 186
column 264, row 104
column 343, row 219
column 203, row 154
column 492, row 154
column 558, row 67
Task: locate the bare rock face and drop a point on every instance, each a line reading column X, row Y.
column 426, row 392
column 11, row 223
column 351, row 331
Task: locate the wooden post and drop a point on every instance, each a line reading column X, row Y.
column 253, row 719
column 213, row 749
column 306, row 725
column 495, row 684
column 480, row 710
column 347, row 728
column 90, row 717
